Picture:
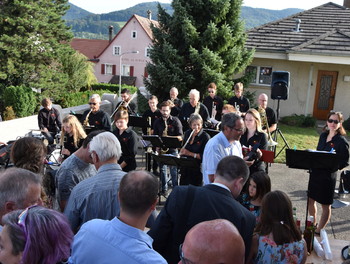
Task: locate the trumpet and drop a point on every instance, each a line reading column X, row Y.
column 270, row 142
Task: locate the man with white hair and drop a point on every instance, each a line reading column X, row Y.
column 96, row 197
column 193, row 106
column 95, row 118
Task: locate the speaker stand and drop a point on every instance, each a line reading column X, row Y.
column 278, row 131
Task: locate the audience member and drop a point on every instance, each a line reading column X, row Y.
column 278, row 239
column 95, row 118
column 215, row 241
column 190, row 205
column 19, row 188
column 122, row 240
column 240, row 102
column 96, row 197
column 223, row 144
column 49, row 120
column 128, row 140
column 36, row 235
column 259, row 184
column 269, row 113
column 76, row 168
column 72, row 135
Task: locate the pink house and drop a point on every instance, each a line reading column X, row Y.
column 130, row 47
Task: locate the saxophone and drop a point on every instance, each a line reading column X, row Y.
column 264, row 123
column 165, row 134
column 86, row 121
column 198, row 106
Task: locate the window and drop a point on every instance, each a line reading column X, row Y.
column 117, row 50
column 147, row 50
column 109, row 69
column 134, row 34
column 125, row 70
column 260, row 74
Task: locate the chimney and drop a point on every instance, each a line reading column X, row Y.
column 149, row 14
column 110, row 33
column 297, row 25
column 346, row 3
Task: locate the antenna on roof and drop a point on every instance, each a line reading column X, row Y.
column 149, row 14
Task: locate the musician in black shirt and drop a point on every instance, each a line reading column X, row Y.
column 239, row 101
column 128, row 141
column 213, row 103
column 95, row 118
column 49, row 120
column 127, row 101
column 193, row 106
column 195, row 140
column 178, row 103
column 269, row 112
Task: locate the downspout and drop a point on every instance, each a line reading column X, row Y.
column 309, row 89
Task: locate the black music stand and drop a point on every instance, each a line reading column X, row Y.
column 211, row 132
column 151, row 141
column 138, row 121
column 307, row 160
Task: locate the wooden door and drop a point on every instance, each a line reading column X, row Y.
column 325, row 93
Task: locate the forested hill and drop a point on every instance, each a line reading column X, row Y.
column 95, row 26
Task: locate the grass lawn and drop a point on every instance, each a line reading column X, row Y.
column 297, row 137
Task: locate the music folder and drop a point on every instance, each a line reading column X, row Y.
column 138, row 121
column 171, row 142
column 310, row 159
column 155, row 140
column 182, row 161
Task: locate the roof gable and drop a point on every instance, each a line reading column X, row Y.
column 325, row 28
column 91, row 48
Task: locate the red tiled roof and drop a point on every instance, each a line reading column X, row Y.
column 91, row 48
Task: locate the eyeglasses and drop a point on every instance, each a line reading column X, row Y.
column 182, row 257
column 22, row 219
column 241, row 130
column 211, row 92
column 92, row 103
column 333, row 121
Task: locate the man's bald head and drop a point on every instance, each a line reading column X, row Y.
column 214, row 242
column 263, row 100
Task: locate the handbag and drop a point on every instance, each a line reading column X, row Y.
column 344, row 184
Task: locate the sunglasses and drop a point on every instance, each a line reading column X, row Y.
column 182, row 257
column 92, row 103
column 22, row 219
column 333, row 121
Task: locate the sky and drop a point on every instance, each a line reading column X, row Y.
column 106, row 6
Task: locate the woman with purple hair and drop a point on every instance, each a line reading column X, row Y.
column 36, row 235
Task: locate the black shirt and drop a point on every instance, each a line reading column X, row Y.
column 243, row 103
column 174, row 127
column 178, row 103
column 131, row 107
column 218, row 104
column 128, row 142
column 153, row 115
column 49, row 119
column 186, row 111
column 98, row 121
column 199, row 142
column 68, row 143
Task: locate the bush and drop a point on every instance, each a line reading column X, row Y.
column 79, row 98
column 299, row 120
column 114, row 88
column 9, row 114
column 22, row 100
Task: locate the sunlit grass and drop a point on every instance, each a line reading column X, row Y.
column 297, row 137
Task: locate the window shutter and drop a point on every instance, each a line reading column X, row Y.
column 131, row 70
column 114, row 68
column 102, row 68
column 145, row 74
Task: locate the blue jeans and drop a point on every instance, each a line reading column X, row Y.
column 173, row 173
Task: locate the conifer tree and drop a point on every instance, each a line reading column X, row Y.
column 201, row 42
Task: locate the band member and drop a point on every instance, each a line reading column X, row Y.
column 239, row 101
column 128, row 141
column 269, row 113
column 127, row 101
column 178, row 103
column 322, row 181
column 213, row 103
column 95, row 118
column 151, row 114
column 195, row 140
column 252, row 136
column 193, row 106
column 168, row 126
column 72, row 135
column 49, row 120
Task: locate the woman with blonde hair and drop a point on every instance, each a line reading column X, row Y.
column 72, row 135
column 252, row 136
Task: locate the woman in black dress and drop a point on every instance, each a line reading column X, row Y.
column 194, row 149
column 128, row 141
column 322, row 182
column 252, row 136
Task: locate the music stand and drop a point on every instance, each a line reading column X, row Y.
column 211, row 132
column 171, row 142
column 307, row 160
column 138, row 121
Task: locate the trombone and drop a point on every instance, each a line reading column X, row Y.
column 270, row 142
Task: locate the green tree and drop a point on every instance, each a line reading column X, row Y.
column 32, row 37
column 201, row 42
column 21, row 99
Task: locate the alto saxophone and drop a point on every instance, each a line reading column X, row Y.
column 86, row 121
column 165, row 134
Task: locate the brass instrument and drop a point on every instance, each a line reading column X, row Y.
column 165, row 134
column 213, row 111
column 198, row 106
column 86, row 121
column 149, row 132
column 237, row 107
column 264, row 123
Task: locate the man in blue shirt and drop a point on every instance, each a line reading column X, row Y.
column 122, row 240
